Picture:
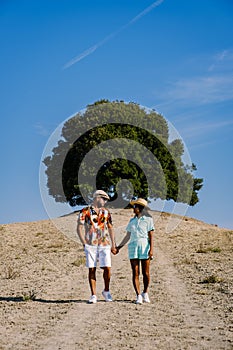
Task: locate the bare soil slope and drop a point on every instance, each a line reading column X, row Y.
column 44, row 289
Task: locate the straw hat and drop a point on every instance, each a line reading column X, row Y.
column 139, row 201
column 100, row 193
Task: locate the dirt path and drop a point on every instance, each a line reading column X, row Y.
column 172, row 321
column 60, row 318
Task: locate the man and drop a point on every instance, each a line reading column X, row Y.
column 96, row 233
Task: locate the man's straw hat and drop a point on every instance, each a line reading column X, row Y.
column 101, row 193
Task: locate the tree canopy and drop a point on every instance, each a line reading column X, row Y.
column 123, row 149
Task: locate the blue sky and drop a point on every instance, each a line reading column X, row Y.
column 59, row 56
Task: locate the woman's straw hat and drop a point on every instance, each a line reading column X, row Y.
column 139, row 201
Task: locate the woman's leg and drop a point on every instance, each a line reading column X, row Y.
column 146, row 273
column 135, row 274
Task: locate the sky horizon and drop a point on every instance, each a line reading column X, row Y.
column 59, row 57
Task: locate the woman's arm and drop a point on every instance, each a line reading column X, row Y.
column 151, row 242
column 124, row 241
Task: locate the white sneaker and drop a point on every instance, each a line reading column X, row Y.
column 139, row 299
column 107, row 296
column 92, row 300
column 145, row 297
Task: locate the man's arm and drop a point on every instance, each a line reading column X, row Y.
column 80, row 233
column 112, row 237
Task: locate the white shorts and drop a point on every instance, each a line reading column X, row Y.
column 97, row 253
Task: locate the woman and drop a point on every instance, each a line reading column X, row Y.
column 140, row 248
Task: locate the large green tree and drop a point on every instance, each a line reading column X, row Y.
column 123, row 149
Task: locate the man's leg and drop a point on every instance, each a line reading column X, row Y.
column 106, row 276
column 92, row 280
column 105, row 264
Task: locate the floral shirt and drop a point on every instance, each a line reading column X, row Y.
column 96, row 225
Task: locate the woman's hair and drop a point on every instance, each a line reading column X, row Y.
column 145, row 212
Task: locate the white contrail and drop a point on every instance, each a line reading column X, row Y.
column 144, row 12
column 110, row 36
column 81, row 56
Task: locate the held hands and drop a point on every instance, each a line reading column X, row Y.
column 115, row 250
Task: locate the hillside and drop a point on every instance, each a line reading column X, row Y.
column 44, row 289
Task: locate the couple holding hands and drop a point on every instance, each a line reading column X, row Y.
column 95, row 230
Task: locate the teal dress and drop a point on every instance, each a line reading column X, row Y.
column 139, row 246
